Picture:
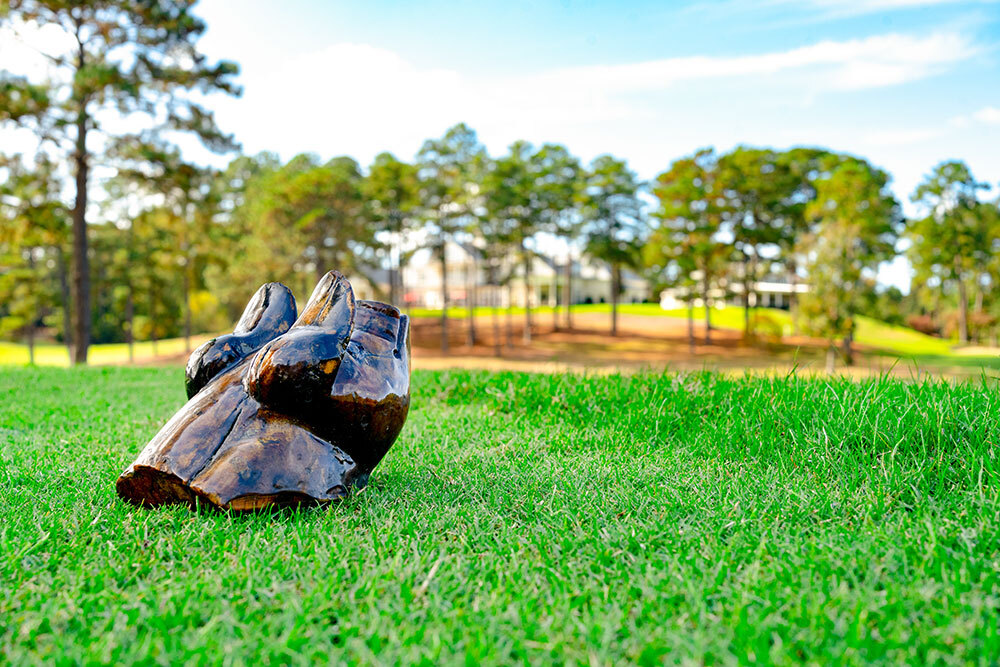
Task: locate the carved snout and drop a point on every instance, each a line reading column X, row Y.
column 292, row 371
column 270, row 313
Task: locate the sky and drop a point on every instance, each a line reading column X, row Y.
column 903, row 83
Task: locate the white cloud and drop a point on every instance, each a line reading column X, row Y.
column 901, row 137
column 986, row 116
column 797, row 12
column 845, row 65
column 989, row 115
column 857, row 7
column 347, row 97
column 357, row 98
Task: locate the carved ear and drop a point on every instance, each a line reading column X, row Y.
column 298, row 368
column 370, row 399
column 270, row 313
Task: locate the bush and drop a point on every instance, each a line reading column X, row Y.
column 924, row 324
column 980, row 325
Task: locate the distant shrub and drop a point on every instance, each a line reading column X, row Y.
column 924, row 324
column 981, row 325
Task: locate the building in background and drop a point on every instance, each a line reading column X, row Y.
column 472, row 279
column 771, row 291
column 371, row 284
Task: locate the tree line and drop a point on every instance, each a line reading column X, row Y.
column 111, row 235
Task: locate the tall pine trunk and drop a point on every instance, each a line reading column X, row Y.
column 963, row 312
column 793, row 298
column 497, row 343
column 708, row 307
column 615, row 287
column 81, row 265
column 978, row 308
column 392, row 285
column 130, row 319
column 568, row 291
column 402, row 303
column 66, row 301
column 691, row 324
column 848, row 346
column 470, row 302
column 527, row 292
column 510, row 315
column 554, row 295
column 444, row 297
column 187, row 307
column 746, row 298
column 30, row 331
column 963, row 304
column 402, row 286
column 130, row 295
column 394, row 252
column 152, row 320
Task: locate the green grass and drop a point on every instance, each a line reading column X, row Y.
column 901, row 340
column 525, row 519
column 482, row 311
column 888, row 339
column 891, row 339
column 731, row 317
column 57, row 355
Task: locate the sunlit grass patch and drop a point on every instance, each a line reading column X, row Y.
column 525, row 518
column 48, row 354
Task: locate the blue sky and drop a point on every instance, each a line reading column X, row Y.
column 904, row 83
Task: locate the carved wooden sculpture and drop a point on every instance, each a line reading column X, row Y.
column 283, row 410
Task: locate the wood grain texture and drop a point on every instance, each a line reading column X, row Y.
column 283, row 413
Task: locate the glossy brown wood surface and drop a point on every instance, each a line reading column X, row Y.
column 283, row 411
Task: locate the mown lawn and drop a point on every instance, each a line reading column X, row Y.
column 525, row 519
column 885, row 339
column 890, row 338
column 50, row 354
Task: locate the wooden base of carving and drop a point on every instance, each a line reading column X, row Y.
column 283, row 413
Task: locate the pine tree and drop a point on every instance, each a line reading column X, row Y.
column 123, row 59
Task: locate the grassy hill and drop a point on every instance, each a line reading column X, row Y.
column 886, row 339
column 115, row 353
column 892, row 339
column 896, row 340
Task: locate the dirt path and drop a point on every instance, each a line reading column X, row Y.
column 655, row 343
column 643, row 343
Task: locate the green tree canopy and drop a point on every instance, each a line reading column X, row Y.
column 856, row 222
column 34, row 233
column 448, row 172
column 952, row 244
column 299, row 220
column 686, row 249
column 614, row 226
column 124, row 60
column 392, row 193
column 758, row 202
